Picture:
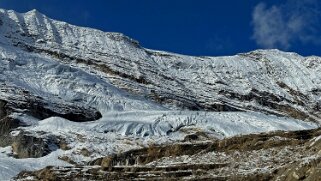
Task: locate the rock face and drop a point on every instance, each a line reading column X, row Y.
column 17, row 100
column 6, row 126
column 99, row 100
column 3, row 111
column 25, row 145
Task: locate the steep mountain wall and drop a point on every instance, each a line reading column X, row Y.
column 269, row 81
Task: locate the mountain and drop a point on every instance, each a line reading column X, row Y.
column 76, row 96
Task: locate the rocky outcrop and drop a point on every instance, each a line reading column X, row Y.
column 3, row 109
column 240, row 143
column 25, row 145
column 288, row 155
column 302, row 170
column 17, row 100
column 7, row 125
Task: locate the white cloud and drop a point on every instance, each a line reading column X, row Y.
column 283, row 25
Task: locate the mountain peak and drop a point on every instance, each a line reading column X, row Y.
column 34, row 12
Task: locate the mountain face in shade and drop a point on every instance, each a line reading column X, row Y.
column 71, row 95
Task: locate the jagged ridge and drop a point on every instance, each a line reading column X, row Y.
column 265, row 80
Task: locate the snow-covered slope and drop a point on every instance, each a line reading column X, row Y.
column 266, row 80
column 105, row 93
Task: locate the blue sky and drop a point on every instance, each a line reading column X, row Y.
column 195, row 27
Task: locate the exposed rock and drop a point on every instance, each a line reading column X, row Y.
column 308, row 170
column 28, row 146
column 7, row 124
column 288, row 155
column 18, row 100
column 3, row 109
column 240, row 143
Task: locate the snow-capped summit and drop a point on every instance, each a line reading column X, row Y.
column 266, row 80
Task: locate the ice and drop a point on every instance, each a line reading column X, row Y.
column 10, row 167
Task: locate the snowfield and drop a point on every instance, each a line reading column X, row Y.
column 145, row 96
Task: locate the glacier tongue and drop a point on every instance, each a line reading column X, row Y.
column 144, row 96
